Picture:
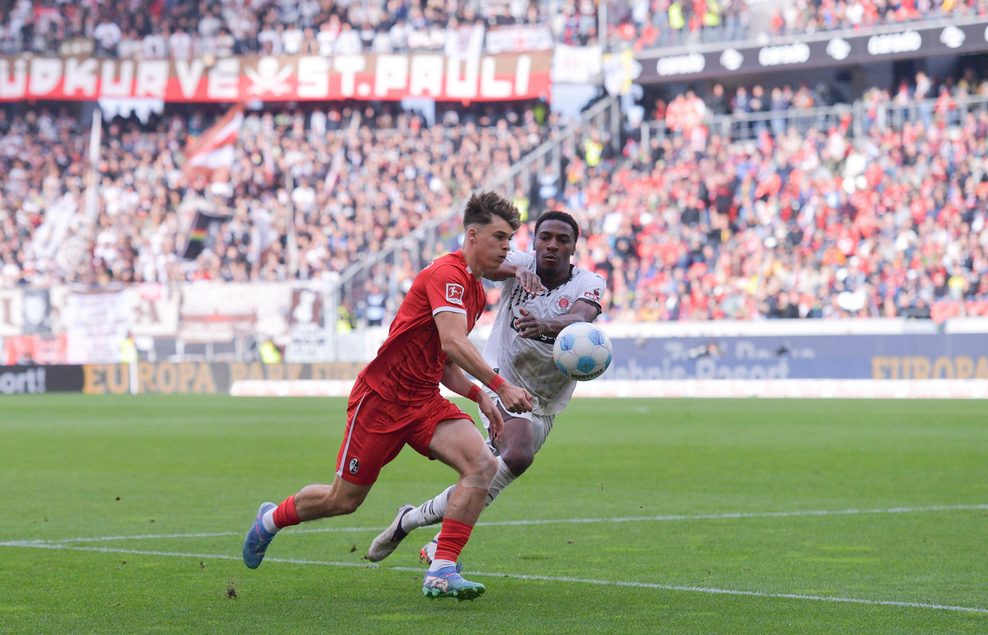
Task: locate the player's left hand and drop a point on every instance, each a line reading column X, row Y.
column 529, row 281
column 528, row 325
column 493, row 414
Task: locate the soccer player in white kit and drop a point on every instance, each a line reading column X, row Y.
column 542, row 293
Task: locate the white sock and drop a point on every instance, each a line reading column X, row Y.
column 501, row 480
column 268, row 521
column 433, row 510
column 439, row 564
column 430, row 512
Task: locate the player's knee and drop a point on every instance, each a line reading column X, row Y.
column 489, row 467
column 481, row 471
column 517, row 460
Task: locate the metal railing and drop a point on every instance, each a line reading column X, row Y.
column 739, row 36
column 863, row 119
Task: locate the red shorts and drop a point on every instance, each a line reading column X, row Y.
column 377, row 430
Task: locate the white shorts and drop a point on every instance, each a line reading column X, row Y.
column 541, row 424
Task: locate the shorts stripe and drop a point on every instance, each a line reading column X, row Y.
column 349, row 435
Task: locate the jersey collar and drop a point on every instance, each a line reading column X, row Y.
column 459, row 256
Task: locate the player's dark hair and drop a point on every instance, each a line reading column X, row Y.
column 482, row 207
column 561, row 216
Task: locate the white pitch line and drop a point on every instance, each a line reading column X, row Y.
column 543, row 521
column 540, row 578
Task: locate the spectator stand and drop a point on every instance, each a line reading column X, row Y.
column 562, row 156
column 860, row 118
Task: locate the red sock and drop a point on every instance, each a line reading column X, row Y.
column 452, row 538
column 285, row 515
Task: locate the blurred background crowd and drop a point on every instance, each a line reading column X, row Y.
column 182, row 29
column 719, row 204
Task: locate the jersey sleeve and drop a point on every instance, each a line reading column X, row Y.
column 522, row 259
column 591, row 289
column 446, row 289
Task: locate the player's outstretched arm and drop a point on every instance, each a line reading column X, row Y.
column 528, row 280
column 528, row 325
column 505, row 271
column 453, row 338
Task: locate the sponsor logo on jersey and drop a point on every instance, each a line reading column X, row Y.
column 593, row 295
column 454, row 293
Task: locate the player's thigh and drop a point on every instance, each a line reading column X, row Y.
column 524, row 431
column 458, row 444
column 517, row 438
column 370, row 441
column 541, row 426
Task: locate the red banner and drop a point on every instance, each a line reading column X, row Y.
column 34, row 349
column 301, row 78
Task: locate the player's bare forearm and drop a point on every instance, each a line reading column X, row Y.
column 528, row 280
column 554, row 325
column 530, row 326
column 503, row 272
column 467, row 357
column 452, row 329
column 454, row 379
column 453, row 338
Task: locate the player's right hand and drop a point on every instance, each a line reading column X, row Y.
column 493, row 414
column 514, row 398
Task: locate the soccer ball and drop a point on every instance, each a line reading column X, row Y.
column 582, row 351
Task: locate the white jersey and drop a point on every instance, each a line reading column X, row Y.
column 528, row 362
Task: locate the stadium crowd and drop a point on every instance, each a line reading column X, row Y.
column 771, row 106
column 360, row 177
column 808, row 16
column 664, row 23
column 817, row 223
column 234, row 27
column 183, row 29
column 881, row 216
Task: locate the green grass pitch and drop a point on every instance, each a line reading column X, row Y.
column 126, row 515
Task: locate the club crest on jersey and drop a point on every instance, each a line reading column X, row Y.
column 454, row 293
column 354, row 466
column 563, row 303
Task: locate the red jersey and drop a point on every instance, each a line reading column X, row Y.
column 409, row 365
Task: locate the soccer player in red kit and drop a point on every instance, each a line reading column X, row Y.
column 395, row 401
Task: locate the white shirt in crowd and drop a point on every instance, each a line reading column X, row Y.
column 180, row 45
column 327, row 41
column 209, row 25
column 108, row 34
column 272, row 38
column 155, row 47
column 348, row 42
column 291, row 40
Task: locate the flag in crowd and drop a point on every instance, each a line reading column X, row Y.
column 211, row 154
